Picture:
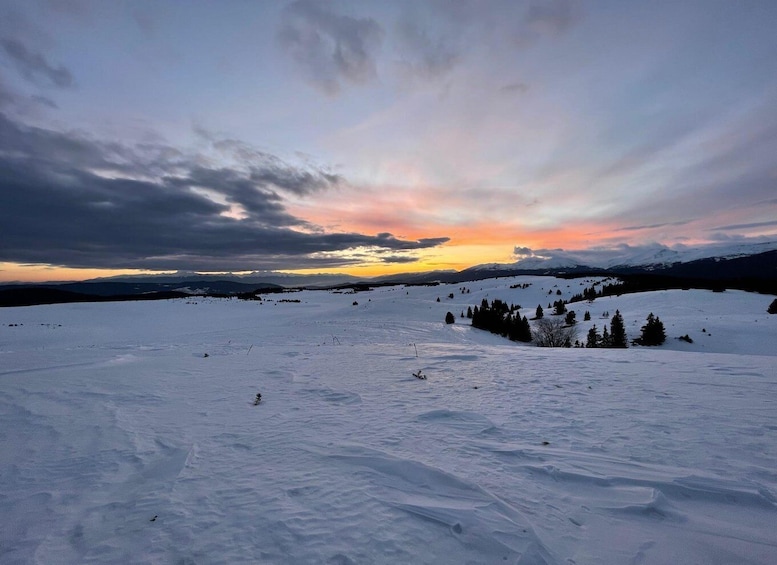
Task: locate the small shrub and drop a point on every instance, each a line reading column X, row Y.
column 551, row 332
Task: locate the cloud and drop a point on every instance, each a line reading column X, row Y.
column 72, row 201
column 269, row 170
column 746, row 226
column 43, row 101
column 34, row 67
column 331, row 49
column 650, row 226
column 145, row 22
column 426, row 58
column 596, row 256
column 7, row 96
column 553, row 16
column 13, row 101
column 398, row 259
column 515, row 87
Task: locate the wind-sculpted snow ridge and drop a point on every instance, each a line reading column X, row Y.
column 129, row 433
column 482, row 526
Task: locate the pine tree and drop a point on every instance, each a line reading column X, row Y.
column 570, row 318
column 652, row 332
column 539, row 313
column 469, row 312
column 524, row 331
column 772, row 307
column 450, row 318
column 587, row 316
column 605, row 341
column 593, row 338
column 618, row 331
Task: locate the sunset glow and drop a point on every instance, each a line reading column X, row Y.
column 373, row 138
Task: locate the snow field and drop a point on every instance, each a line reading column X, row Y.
column 507, row 453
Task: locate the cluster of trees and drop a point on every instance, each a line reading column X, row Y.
column 591, row 292
column 653, row 332
column 615, row 337
column 559, row 307
column 501, row 319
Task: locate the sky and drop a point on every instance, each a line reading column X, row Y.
column 370, row 137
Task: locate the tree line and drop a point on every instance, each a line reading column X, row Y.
column 502, row 319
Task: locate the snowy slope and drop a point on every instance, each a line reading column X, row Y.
column 112, row 415
column 633, row 256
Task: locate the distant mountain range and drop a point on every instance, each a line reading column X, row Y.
column 750, row 267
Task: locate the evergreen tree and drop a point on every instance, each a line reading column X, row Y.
column 652, row 332
column 538, row 314
column 559, row 307
column 450, row 318
column 593, row 338
column 570, row 318
column 469, row 312
column 605, row 341
column 618, row 331
column 524, row 331
column 772, row 307
column 587, row 316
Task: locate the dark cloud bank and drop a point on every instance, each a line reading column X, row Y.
column 71, row 201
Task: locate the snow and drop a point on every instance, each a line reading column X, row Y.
column 640, row 255
column 112, row 415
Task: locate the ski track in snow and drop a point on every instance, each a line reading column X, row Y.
column 123, row 443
